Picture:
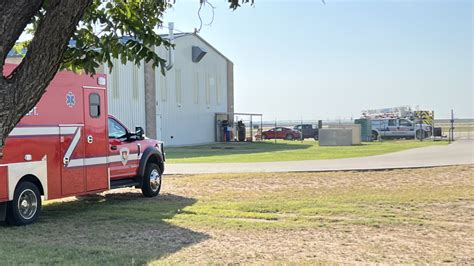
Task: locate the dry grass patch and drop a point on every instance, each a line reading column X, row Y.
column 398, row 216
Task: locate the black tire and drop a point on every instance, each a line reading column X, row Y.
column 151, row 180
column 420, row 134
column 375, row 135
column 264, row 137
column 25, row 208
column 289, row 137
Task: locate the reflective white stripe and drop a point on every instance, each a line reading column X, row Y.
column 73, row 144
column 71, row 125
column 100, row 160
column 68, row 130
column 118, row 158
column 87, row 161
column 34, row 131
column 75, row 163
column 95, row 160
column 42, row 131
column 115, row 158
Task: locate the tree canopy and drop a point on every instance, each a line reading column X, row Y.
column 97, row 29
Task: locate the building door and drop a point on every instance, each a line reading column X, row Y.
column 96, row 141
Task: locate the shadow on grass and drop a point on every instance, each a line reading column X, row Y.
column 115, row 228
column 222, row 149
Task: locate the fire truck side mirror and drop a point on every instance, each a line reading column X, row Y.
column 139, row 132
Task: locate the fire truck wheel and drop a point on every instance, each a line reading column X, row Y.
column 26, row 205
column 375, row 135
column 152, row 180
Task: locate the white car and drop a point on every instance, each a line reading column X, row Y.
column 399, row 128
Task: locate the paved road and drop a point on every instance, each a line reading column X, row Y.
column 459, row 153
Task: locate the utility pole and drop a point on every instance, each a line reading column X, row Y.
column 451, row 130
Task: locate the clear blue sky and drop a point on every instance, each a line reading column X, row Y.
column 304, row 59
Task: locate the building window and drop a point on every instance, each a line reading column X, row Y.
column 210, row 82
column 178, row 86
column 219, row 91
column 196, row 88
column 163, row 88
column 211, row 86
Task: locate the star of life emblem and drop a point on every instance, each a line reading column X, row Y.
column 70, row 99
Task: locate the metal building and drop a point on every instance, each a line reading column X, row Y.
column 178, row 108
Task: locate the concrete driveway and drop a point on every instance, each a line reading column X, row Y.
column 459, row 153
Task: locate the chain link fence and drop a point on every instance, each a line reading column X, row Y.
column 463, row 128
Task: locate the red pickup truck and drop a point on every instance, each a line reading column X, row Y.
column 68, row 145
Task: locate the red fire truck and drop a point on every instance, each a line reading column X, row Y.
column 68, row 145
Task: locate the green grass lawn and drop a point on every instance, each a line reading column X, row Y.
column 268, row 151
column 418, row 216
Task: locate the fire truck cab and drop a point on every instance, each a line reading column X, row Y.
column 68, row 145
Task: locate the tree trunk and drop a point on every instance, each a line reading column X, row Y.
column 23, row 88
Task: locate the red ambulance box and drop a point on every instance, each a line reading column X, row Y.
column 69, row 145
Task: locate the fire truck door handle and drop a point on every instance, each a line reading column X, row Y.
column 113, row 147
column 139, row 150
column 90, row 139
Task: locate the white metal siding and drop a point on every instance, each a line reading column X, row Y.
column 185, row 103
column 191, row 121
column 126, row 86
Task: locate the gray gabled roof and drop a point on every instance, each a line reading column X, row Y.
column 184, row 34
column 13, row 53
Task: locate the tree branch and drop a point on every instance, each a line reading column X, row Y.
column 44, row 55
column 16, row 14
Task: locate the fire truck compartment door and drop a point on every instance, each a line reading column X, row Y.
column 96, row 144
column 72, row 160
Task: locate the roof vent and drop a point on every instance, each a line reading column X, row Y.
column 198, row 54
